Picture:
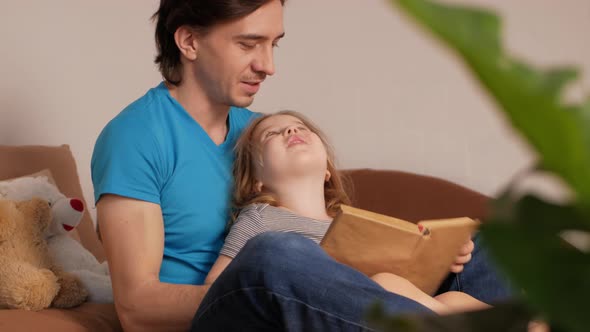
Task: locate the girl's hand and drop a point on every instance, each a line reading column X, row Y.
column 463, row 257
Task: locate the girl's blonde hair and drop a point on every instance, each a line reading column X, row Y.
column 248, row 154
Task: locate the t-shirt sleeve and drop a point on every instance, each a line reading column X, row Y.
column 248, row 224
column 127, row 162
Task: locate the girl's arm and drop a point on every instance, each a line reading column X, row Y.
column 247, row 225
column 220, row 264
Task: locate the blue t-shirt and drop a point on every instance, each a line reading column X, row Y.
column 155, row 151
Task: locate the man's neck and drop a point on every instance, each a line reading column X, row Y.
column 211, row 116
column 303, row 196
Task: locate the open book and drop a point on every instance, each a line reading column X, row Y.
column 422, row 253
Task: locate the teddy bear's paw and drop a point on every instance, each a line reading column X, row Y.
column 72, row 293
column 35, row 292
column 99, row 286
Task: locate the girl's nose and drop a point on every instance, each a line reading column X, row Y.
column 291, row 130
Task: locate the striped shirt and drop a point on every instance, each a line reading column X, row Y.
column 259, row 218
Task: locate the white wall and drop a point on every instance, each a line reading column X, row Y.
column 387, row 95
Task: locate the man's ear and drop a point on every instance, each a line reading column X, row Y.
column 328, row 176
column 186, row 41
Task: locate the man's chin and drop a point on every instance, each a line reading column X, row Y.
column 243, row 101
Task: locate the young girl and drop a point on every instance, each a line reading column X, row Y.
column 286, row 181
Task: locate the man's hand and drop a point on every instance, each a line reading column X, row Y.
column 463, row 257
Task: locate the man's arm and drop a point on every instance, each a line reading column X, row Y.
column 133, row 238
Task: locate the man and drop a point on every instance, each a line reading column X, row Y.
column 162, row 171
column 162, row 168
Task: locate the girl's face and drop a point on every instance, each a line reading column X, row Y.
column 288, row 148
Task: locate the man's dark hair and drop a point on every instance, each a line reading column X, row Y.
column 198, row 14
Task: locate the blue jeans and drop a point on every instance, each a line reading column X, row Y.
column 285, row 282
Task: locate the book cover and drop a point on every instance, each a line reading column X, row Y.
column 372, row 243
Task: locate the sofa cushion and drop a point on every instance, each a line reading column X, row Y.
column 413, row 197
column 18, row 161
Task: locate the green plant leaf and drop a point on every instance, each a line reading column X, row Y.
column 524, row 235
column 529, row 97
column 526, row 242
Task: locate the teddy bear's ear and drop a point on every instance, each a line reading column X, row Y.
column 47, row 190
column 36, row 211
column 8, row 212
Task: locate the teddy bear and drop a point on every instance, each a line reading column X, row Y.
column 29, row 279
column 66, row 252
column 72, row 256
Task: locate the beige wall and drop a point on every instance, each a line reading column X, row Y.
column 387, row 96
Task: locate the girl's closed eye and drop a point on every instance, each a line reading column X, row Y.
column 270, row 133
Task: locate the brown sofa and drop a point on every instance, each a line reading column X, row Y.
column 400, row 194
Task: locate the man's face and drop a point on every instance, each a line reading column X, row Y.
column 234, row 58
